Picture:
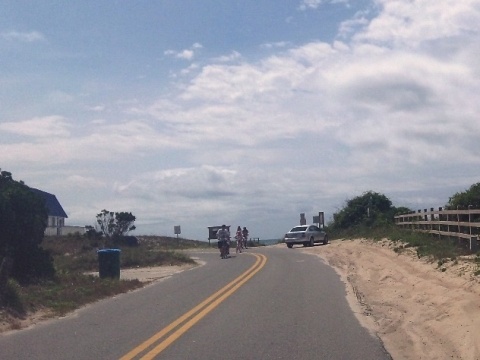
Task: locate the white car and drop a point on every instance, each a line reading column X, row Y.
column 306, row 235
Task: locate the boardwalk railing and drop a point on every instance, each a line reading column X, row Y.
column 463, row 224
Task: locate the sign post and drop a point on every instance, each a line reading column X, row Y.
column 321, row 220
column 303, row 221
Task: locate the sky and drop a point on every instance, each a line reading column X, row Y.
column 245, row 113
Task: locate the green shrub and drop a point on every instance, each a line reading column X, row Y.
column 33, row 264
column 11, row 297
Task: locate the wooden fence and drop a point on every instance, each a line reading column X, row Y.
column 462, row 224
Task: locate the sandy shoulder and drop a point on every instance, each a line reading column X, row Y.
column 153, row 274
column 418, row 310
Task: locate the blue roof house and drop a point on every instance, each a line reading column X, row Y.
column 56, row 214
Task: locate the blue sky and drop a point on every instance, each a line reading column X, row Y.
column 198, row 113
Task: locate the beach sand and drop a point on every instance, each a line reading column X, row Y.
column 420, row 310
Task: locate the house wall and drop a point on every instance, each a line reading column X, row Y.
column 52, row 231
column 56, row 222
column 56, row 227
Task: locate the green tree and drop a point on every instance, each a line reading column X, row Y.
column 92, row 233
column 468, row 197
column 23, row 219
column 115, row 224
column 402, row 210
column 369, row 209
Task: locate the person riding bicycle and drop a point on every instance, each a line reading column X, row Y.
column 239, row 238
column 245, row 236
column 223, row 237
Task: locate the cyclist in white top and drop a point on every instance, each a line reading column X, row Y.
column 223, row 237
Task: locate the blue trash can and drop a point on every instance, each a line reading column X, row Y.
column 109, row 263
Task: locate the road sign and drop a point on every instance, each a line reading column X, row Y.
column 177, row 230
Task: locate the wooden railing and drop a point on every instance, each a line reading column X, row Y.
column 463, row 224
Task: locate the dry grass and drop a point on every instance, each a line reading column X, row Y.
column 71, row 288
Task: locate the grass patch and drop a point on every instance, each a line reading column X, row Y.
column 71, row 287
column 69, row 292
column 477, row 263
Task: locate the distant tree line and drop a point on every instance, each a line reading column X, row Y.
column 464, row 199
column 372, row 209
column 369, row 210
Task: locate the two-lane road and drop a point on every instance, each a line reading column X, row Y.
column 269, row 303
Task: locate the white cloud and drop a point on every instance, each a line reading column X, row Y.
column 315, row 4
column 191, row 68
column 185, row 54
column 310, row 4
column 233, row 56
column 351, row 26
column 55, row 145
column 39, row 127
column 83, row 182
column 410, row 23
column 32, row 36
column 97, row 108
column 385, row 107
column 368, row 98
column 274, row 45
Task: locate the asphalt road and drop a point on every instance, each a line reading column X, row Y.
column 267, row 303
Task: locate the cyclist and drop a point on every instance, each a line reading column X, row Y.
column 223, row 236
column 239, row 238
column 245, row 236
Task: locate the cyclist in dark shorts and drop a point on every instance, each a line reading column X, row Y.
column 223, row 237
column 245, row 236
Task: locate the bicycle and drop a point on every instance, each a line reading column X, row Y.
column 244, row 242
column 224, row 249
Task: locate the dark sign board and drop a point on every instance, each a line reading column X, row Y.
column 212, row 231
column 319, row 219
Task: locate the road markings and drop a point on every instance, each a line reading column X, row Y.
column 194, row 315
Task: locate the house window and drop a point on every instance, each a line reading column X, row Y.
column 53, row 221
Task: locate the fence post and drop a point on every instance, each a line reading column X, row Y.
column 419, row 218
column 458, row 222
column 474, row 244
column 425, row 218
column 448, row 225
column 470, row 218
column 432, row 218
column 440, row 219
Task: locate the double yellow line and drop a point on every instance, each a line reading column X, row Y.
column 165, row 337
